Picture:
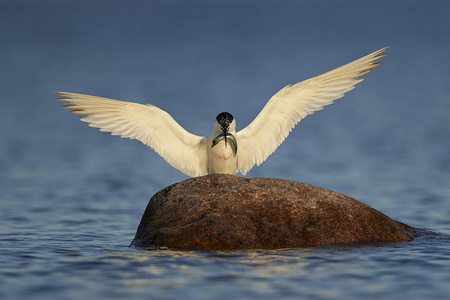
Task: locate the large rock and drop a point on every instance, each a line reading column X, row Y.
column 220, row 212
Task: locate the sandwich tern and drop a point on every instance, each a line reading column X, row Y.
column 225, row 151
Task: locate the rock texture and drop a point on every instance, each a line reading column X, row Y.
column 222, row 212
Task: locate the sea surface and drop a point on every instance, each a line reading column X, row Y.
column 71, row 197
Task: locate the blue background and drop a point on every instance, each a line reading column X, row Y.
column 72, row 197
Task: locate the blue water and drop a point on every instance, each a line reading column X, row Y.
column 72, row 197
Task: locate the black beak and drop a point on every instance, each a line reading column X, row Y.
column 225, row 132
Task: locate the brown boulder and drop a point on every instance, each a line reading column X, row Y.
column 221, row 212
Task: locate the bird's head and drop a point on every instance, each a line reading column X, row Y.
column 226, row 122
column 224, row 126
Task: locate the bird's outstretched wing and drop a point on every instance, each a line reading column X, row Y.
column 294, row 102
column 146, row 123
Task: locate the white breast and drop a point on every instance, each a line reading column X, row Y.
column 221, row 159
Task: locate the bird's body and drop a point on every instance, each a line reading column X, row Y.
column 221, row 160
column 222, row 154
column 225, row 151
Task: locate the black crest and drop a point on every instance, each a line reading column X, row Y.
column 224, row 119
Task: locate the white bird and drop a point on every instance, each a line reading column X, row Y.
column 225, row 151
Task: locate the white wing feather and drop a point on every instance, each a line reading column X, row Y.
column 293, row 103
column 146, row 123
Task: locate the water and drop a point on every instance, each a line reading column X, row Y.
column 323, row 273
column 72, row 197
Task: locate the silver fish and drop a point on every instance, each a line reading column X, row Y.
column 226, row 137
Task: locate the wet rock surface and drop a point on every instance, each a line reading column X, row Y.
column 223, row 212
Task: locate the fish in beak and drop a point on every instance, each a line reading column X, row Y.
column 226, row 136
column 225, row 120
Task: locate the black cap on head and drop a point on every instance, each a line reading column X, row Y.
column 224, row 119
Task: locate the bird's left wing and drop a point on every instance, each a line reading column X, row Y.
column 294, row 102
column 146, row 123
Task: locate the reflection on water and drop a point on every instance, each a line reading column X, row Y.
column 320, row 272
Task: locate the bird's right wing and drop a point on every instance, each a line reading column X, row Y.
column 146, row 123
column 293, row 103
